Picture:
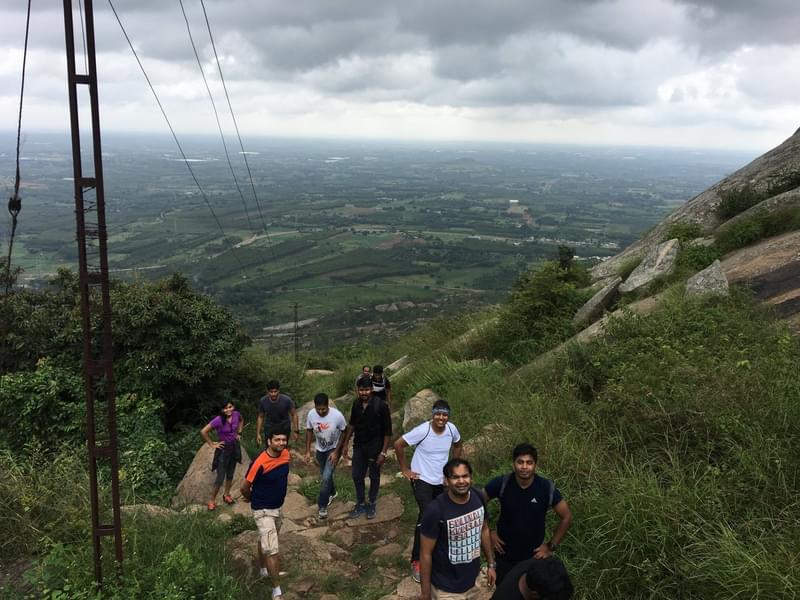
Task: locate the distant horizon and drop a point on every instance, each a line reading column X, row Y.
column 755, row 152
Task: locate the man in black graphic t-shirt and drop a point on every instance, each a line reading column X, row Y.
column 452, row 532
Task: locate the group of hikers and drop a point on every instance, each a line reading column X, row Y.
column 452, row 525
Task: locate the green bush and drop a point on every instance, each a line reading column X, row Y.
column 738, row 200
column 176, row 558
column 692, row 259
column 46, row 405
column 538, row 313
column 684, row 231
column 761, row 225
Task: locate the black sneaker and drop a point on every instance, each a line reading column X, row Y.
column 371, row 510
column 359, row 510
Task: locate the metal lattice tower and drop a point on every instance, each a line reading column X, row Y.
column 98, row 367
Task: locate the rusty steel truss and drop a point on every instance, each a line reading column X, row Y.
column 98, row 367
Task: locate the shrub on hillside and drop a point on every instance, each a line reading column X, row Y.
column 169, row 341
column 45, row 405
column 250, row 376
column 538, row 313
column 692, row 259
column 684, row 231
column 753, row 228
column 737, row 200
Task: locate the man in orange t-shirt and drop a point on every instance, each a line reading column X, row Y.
column 265, row 487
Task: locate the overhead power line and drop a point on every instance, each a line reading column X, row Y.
column 172, row 131
column 15, row 202
column 216, row 115
column 235, row 125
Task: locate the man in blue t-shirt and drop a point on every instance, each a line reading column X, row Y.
column 525, row 499
column 452, row 533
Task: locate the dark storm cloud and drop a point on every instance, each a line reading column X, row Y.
column 568, row 55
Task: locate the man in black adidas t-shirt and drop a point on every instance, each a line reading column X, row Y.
column 525, row 499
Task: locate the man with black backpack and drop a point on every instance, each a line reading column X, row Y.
column 525, row 498
column 432, row 441
column 371, row 427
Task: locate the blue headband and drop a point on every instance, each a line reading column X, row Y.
column 441, row 410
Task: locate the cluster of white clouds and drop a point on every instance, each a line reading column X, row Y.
column 715, row 73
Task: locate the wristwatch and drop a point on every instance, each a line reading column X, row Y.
column 552, row 546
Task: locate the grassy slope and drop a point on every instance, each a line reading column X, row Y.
column 675, row 440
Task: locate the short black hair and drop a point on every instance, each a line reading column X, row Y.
column 523, row 449
column 320, row 399
column 549, row 579
column 364, row 382
column 273, row 384
column 451, row 464
column 277, row 431
column 441, row 403
column 377, row 369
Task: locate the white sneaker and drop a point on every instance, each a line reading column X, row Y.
column 323, row 513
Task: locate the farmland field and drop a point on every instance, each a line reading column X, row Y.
column 346, row 229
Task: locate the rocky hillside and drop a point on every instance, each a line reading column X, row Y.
column 749, row 221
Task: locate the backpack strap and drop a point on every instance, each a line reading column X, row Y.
column 426, row 434
column 506, row 478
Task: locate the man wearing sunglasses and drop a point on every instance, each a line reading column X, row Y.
column 433, row 441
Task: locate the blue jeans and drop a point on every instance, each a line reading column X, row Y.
column 327, row 487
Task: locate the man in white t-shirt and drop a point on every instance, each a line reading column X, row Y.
column 433, row 440
column 325, row 425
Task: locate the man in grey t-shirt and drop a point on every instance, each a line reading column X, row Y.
column 276, row 410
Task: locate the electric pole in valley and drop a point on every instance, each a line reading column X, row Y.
column 296, row 339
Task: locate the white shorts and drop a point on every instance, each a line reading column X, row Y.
column 268, row 521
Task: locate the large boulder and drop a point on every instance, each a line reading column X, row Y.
column 418, row 408
column 195, row 487
column 659, row 261
column 709, row 281
column 597, row 304
column 398, row 364
column 771, row 269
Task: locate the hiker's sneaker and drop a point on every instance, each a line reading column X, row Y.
column 415, row 570
column 331, row 497
column 323, row 513
column 371, row 510
column 359, row 510
column 211, row 506
column 228, row 499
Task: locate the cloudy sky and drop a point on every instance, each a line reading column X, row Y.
column 700, row 73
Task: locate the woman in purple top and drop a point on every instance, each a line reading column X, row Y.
column 227, row 451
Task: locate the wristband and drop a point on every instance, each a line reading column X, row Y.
column 492, row 566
